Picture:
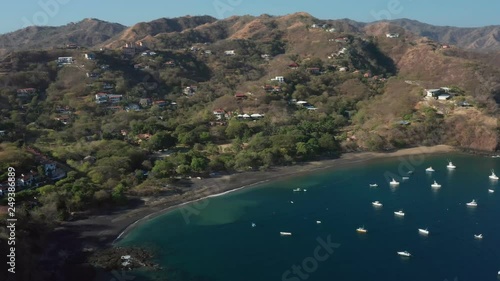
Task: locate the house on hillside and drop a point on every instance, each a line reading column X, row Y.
column 220, row 114
column 160, row 103
column 314, row 70
column 434, row 93
column 26, row 92
column 89, row 56
column 63, row 118
column 101, row 98
column 240, row 96
column 65, row 60
column 145, row 102
column 189, row 91
column 170, row 63
column 114, row 98
column 341, row 39
column 293, row 66
column 279, row 79
column 229, row 53
column 265, row 56
column 331, row 30
column 392, row 35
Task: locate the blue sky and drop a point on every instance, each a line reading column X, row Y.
column 16, row 14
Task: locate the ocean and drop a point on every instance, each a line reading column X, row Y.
column 237, row 236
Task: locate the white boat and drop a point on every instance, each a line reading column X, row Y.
column 394, row 182
column 423, row 231
column 253, row 224
column 361, row 229
column 377, row 204
column 493, row 176
column 291, row 202
column 478, row 236
column 399, row 213
column 373, row 185
column 430, row 169
column 451, row 166
column 318, row 222
column 285, row 233
column 410, row 172
column 305, row 190
column 405, row 178
column 491, row 191
column 436, row 185
column 296, row 190
column 404, row 254
column 472, row 203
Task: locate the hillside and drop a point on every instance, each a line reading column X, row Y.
column 474, row 38
column 86, row 33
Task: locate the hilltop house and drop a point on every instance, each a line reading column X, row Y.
column 229, row 53
column 341, row 39
column 293, row 65
column 392, row 35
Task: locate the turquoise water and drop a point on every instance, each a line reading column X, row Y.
column 218, row 242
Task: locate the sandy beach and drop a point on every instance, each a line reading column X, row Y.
column 100, row 231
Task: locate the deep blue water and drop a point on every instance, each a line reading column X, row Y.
column 217, row 241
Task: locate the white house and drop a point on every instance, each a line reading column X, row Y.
column 89, row 56
column 229, row 53
column 444, row 96
column 280, row 79
column 64, row 60
column 432, row 92
column 392, row 35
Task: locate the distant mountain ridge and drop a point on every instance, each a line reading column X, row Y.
column 93, row 32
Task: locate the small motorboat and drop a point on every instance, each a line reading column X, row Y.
column 493, row 176
column 435, row 185
column 285, row 233
column 377, row 204
column 450, row 165
column 423, row 231
column 297, row 190
column 430, row 169
column 491, row 191
column 394, row 182
column 472, row 203
column 478, row 236
column 318, row 222
column 361, row 229
column 410, row 172
column 404, row 254
column 291, row 202
column 253, row 224
column 400, row 213
column 373, row 185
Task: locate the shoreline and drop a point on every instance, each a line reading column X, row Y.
column 98, row 232
column 216, row 187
